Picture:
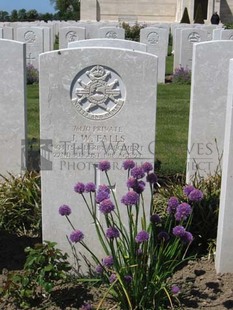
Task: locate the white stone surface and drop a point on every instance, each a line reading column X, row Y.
column 70, row 34
column 188, row 38
column 217, row 34
column 12, row 105
column 8, row 33
column 226, row 34
column 34, row 39
column 208, row 106
column 111, row 33
column 127, row 44
column 76, row 85
column 224, row 249
column 156, row 40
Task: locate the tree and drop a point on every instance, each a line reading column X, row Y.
column 185, row 18
column 68, row 9
column 4, row 16
column 22, row 14
column 199, row 15
column 32, row 15
column 14, row 15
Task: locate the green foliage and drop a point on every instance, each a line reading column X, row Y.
column 32, row 75
column 182, row 76
column 67, row 9
column 172, row 119
column 45, row 264
column 228, row 26
column 143, row 254
column 132, row 32
column 20, row 204
column 185, row 18
column 205, row 214
column 199, row 15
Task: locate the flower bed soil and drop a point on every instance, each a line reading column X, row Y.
column 201, row 287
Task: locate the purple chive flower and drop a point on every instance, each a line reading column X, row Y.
column 112, row 278
column 79, row 188
column 195, row 195
column 99, row 269
column 155, row 219
column 101, row 196
column 178, row 231
column 131, row 198
column 86, row 306
column 104, row 165
column 183, row 211
column 131, row 183
column 187, row 237
column 104, row 188
column 142, row 236
column 173, row 203
column 106, row 206
column 76, row 236
column 139, row 252
column 139, row 187
column 112, row 232
column 128, row 279
column 163, row 236
column 128, row 164
column 64, row 210
column 147, row 167
column 137, row 172
column 152, row 178
column 90, row 187
column 108, row 261
column 175, row 289
column 187, row 189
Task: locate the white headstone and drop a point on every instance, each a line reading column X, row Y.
column 226, row 34
column 188, row 38
column 70, row 34
column 111, row 33
column 156, row 40
column 224, row 249
column 96, row 103
column 8, row 33
column 34, row 39
column 208, row 106
column 12, row 106
column 109, row 43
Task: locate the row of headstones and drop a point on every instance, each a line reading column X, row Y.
column 40, row 39
column 96, row 109
column 185, row 35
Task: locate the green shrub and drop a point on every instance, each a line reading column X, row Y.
column 32, row 75
column 132, row 32
column 185, row 18
column 182, row 76
column 45, row 264
column 20, row 204
column 205, row 214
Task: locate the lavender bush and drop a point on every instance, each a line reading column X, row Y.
column 140, row 256
column 32, row 75
column 182, row 76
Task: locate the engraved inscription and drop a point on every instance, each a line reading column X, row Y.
column 194, row 37
column 71, row 36
column 111, row 35
column 153, row 38
column 98, row 93
column 30, row 37
column 231, row 37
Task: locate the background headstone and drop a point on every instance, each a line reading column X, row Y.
column 13, row 107
column 208, row 106
column 70, row 34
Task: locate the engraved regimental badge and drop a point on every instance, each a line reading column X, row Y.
column 98, row 92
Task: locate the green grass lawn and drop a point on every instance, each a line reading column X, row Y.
column 172, row 124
